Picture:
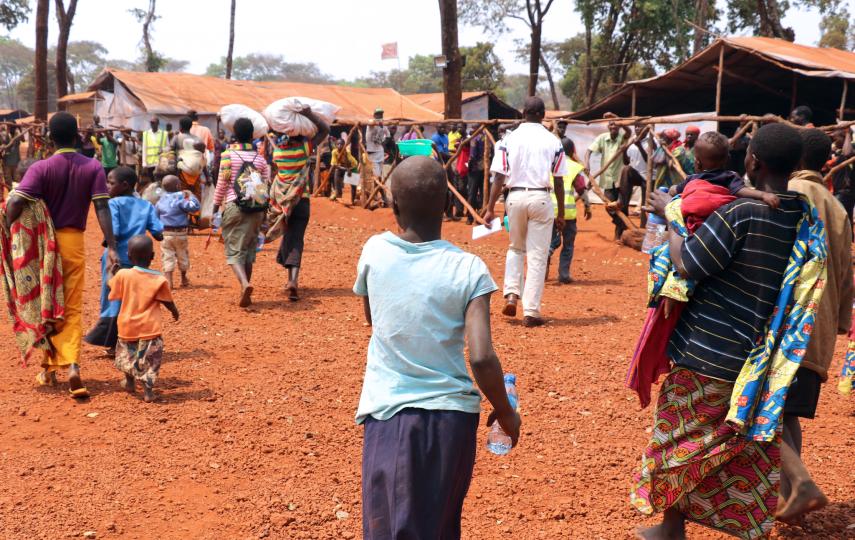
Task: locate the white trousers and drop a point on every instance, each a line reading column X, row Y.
column 530, row 217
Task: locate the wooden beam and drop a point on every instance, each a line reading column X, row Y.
column 751, row 81
column 718, row 82
column 843, row 101
column 837, row 167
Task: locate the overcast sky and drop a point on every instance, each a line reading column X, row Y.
column 342, row 36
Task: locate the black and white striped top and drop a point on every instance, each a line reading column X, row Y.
column 738, row 256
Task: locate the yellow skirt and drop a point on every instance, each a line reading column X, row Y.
column 69, row 333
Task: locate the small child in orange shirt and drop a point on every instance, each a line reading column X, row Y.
column 139, row 351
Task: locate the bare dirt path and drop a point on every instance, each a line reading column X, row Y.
column 254, row 435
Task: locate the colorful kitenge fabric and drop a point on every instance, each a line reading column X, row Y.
column 31, row 272
column 846, row 384
column 698, row 463
column 662, row 278
column 140, row 359
column 761, row 388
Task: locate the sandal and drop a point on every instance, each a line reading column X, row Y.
column 79, row 393
column 42, row 380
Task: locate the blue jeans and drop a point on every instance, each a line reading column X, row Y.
column 565, row 240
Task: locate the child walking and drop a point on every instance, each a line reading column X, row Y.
column 419, row 407
column 142, row 291
column 131, row 216
column 173, row 209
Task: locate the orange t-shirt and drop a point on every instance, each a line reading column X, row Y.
column 141, row 291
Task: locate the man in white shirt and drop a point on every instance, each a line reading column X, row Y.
column 523, row 163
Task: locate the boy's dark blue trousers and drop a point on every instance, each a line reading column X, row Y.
column 416, row 470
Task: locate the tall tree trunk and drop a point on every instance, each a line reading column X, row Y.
column 534, row 57
column 451, row 75
column 41, row 100
column 151, row 60
column 552, row 90
column 230, row 55
column 701, row 15
column 770, row 21
column 64, row 19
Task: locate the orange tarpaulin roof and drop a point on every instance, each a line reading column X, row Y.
column 436, row 101
column 176, row 93
column 80, row 96
column 792, row 53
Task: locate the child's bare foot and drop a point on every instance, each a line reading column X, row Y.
column 246, row 297
column 129, row 384
column 148, row 395
column 293, row 294
column 807, row 497
column 184, row 281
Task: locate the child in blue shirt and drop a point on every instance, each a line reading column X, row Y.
column 174, row 208
column 419, row 407
column 132, row 216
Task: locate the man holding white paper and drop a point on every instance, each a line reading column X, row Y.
column 523, row 163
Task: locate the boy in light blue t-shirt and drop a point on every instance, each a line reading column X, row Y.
column 419, row 406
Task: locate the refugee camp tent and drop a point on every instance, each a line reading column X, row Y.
column 132, row 98
column 476, row 105
column 742, row 75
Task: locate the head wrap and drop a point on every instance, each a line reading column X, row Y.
column 672, row 134
column 693, row 129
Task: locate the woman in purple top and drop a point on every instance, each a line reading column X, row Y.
column 67, row 182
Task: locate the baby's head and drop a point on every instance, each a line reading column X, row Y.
column 140, row 250
column 171, row 183
column 419, row 191
column 712, row 151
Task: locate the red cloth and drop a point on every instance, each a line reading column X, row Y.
column 700, row 199
column 650, row 359
column 463, row 160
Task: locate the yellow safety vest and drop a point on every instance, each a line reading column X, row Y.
column 573, row 169
column 153, row 145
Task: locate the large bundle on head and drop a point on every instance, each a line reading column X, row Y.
column 283, row 116
column 231, row 113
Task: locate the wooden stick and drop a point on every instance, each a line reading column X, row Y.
column 463, row 200
column 461, row 144
column 621, row 151
column 651, row 148
column 837, row 167
column 674, row 164
column 602, row 194
column 843, row 100
column 741, row 131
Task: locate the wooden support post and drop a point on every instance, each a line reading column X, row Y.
column 463, row 200
column 632, row 111
column 718, row 84
column 794, row 91
column 843, row 101
column 317, row 174
column 486, row 193
column 651, row 148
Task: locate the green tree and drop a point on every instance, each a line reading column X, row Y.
column 86, row 59
column 763, row 17
column 26, row 89
column 13, row 12
column 483, row 69
column 269, row 67
column 16, row 60
column 152, row 60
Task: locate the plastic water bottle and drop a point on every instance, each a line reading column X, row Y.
column 260, row 245
column 497, row 441
column 656, row 233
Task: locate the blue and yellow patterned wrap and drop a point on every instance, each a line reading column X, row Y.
column 757, row 402
column 846, row 384
column 662, row 278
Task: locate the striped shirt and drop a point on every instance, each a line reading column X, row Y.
column 290, row 159
column 230, row 164
column 738, row 256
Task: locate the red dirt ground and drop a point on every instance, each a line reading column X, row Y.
column 254, row 435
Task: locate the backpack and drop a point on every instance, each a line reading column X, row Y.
column 251, row 191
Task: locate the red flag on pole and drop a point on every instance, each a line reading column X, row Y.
column 390, row 51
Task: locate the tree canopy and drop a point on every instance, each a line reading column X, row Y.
column 269, row 67
column 13, row 13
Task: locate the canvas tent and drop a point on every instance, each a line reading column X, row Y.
column 132, row 98
column 82, row 105
column 476, row 105
column 755, row 75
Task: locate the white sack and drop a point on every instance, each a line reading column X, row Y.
column 230, row 114
column 282, row 115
